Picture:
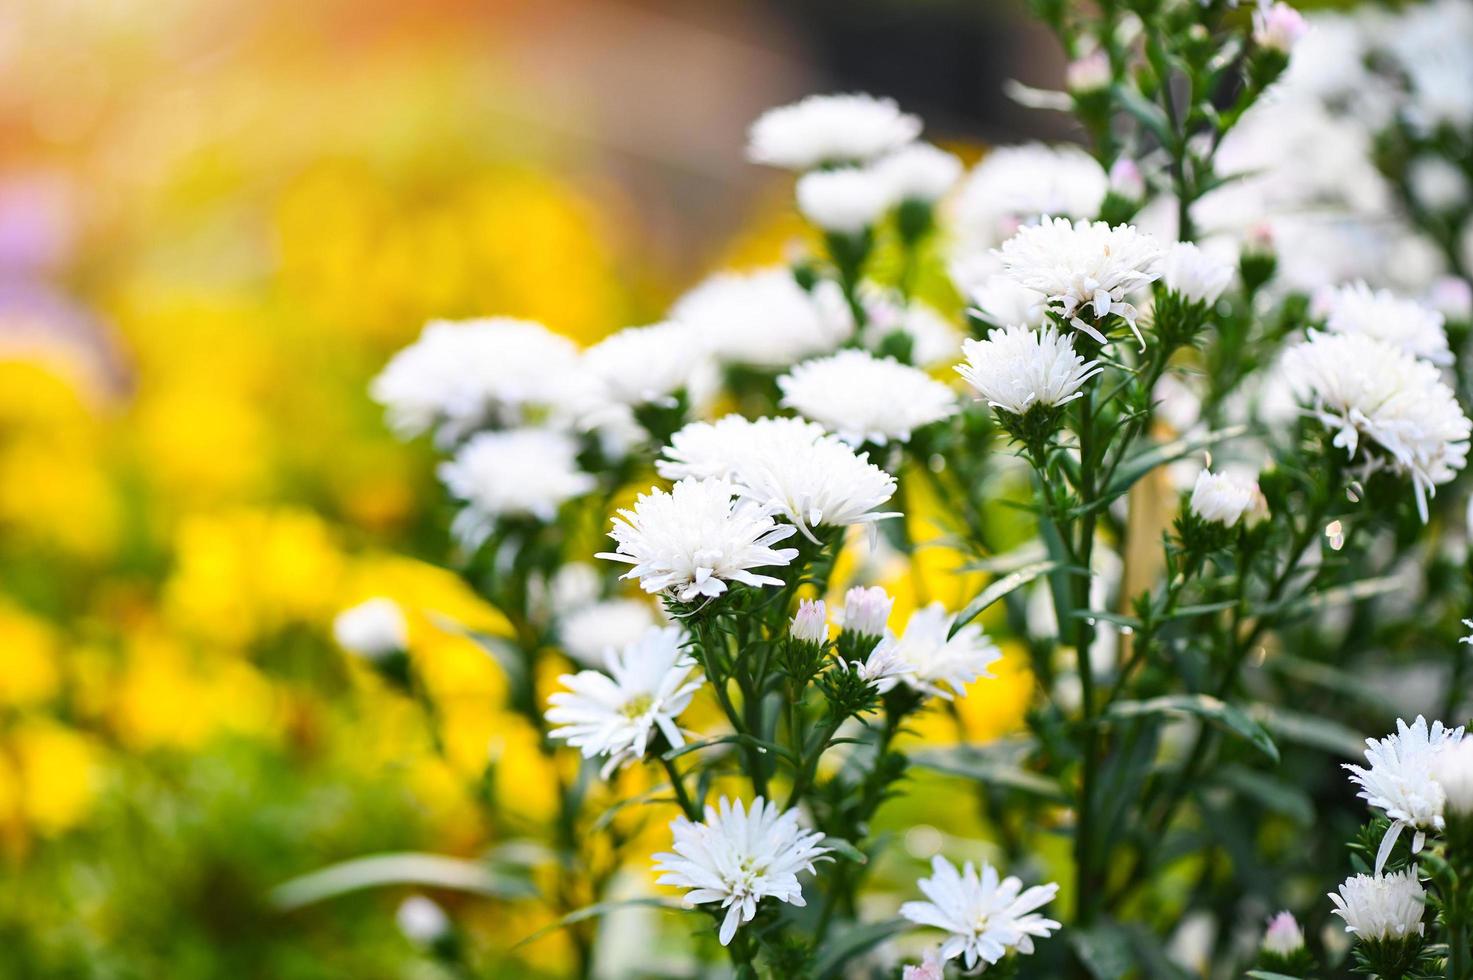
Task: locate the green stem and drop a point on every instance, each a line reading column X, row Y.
column 692, row 811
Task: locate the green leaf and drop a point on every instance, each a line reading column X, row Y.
column 400, row 868
column 1226, row 716
column 971, row 763
column 737, row 738
column 999, row 588
column 1311, row 730
column 1273, row 794
column 1268, row 975
column 1104, row 950
column 1326, row 676
column 593, row 912
column 853, row 942
column 846, row 850
column 1144, row 462
column 1338, row 595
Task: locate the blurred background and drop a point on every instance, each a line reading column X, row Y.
column 217, row 220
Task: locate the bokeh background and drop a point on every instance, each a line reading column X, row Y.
column 217, row 220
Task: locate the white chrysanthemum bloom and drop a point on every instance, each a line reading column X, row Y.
column 459, row 376
column 1013, row 185
column 696, row 538
column 884, row 667
column 827, row 485
column 845, row 201
column 811, row 623
column 1017, row 368
column 862, row 398
column 1358, row 386
column 1083, row 265
column 1283, row 937
column 985, row 915
column 1399, row 780
column 999, row 299
column 645, row 365
column 421, row 920
column 1381, row 907
column 933, row 338
column 1379, row 313
column 1195, row 276
column 1452, row 769
column 936, row 658
column 830, row 129
column 705, row 449
column 616, row 714
column 372, row 629
column 1278, row 27
column 516, row 473
column 1224, row 498
column 919, row 172
column 866, row 610
column 764, row 319
column 590, row 632
column 738, row 857
column 930, row 968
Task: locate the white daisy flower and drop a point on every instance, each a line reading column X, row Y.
column 1224, row 498
column 372, row 629
column 1284, row 937
column 590, row 632
column 1358, row 386
column 830, row 129
column 646, row 365
column 706, row 449
column 1017, row 368
column 919, row 172
column 866, row 610
column 1192, row 274
column 738, row 857
column 997, row 298
column 1452, row 769
column 827, row 485
column 1380, row 314
column 459, row 376
column 862, row 398
column 936, row 659
column 1083, row 266
column 1399, row 780
column 696, row 538
column 1381, row 907
column 1013, row 185
column 844, row 201
column 986, row 916
column 811, row 623
column 764, row 319
column 884, row 667
column 616, row 714
column 516, row 473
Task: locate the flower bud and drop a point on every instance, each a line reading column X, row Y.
column 1284, row 937
column 866, row 611
column 1221, row 498
column 1452, row 769
column 372, row 630
column 1126, row 179
column 1278, row 27
column 847, row 201
column 810, row 625
column 1088, row 74
column 1452, row 297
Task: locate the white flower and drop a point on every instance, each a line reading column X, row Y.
column 1381, row 907
column 1126, row 179
column 738, row 857
column 1436, row 183
column 997, row 298
column 1013, row 185
column 1452, row 297
column 1278, row 27
column 935, row 658
column 1080, row 265
column 930, row 968
column 705, row 449
column 866, row 610
column 645, row 365
column 1283, row 937
column 618, row 713
column 845, row 201
column 933, row 337
column 862, row 398
column 919, row 172
column 1452, row 769
column 372, row 629
column 764, row 319
column 986, row 917
column 1017, row 368
column 828, row 129
column 1399, row 780
column 883, row 667
column 694, row 539
column 1358, row 387
column 421, row 920
column 516, row 473
column 1223, row 498
column 590, row 632
column 1379, row 313
column 811, row 623
column 827, row 485
column 1192, row 274
column 1089, row 73
column 459, row 376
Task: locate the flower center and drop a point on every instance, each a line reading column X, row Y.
column 637, row 706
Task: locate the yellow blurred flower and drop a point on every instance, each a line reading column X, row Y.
column 56, row 770
column 31, row 672
column 166, row 698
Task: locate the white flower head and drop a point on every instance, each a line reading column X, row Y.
column 844, row 201
column 930, row 968
column 919, row 172
column 1398, row 780
column 1278, row 27
column 1452, row 770
column 764, row 319
column 738, row 857
column 1223, row 498
column 933, row 337
column 706, row 449
column 935, row 658
column 884, row 667
column 830, row 129
column 646, row 365
column 1379, row 313
column 811, row 623
column 372, row 629
column 1381, row 907
column 863, row 398
column 1013, row 185
column 588, row 633
column 1436, row 183
column 999, row 299
column 1358, row 386
column 827, row 485
column 985, row 915
column 1017, row 368
column 1192, row 274
column 1089, row 73
column 1126, row 179
column 459, row 376
column 866, row 610
column 1082, row 266
column 616, row 714
column 516, row 473
column 1284, row 937
column 421, row 920
column 696, row 538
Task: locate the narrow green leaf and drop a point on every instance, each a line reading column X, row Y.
column 1104, row 950
column 1226, row 716
column 737, row 738
column 1268, row 975
column 399, row 868
column 1144, row 462
column 970, row 763
column 1311, row 730
column 853, row 942
column 846, row 850
column 593, row 912
column 999, row 588
column 1338, row 595
column 1273, row 794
